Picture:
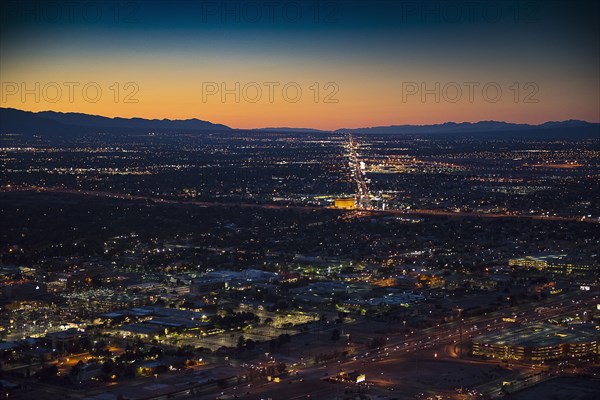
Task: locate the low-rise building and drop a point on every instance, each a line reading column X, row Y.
column 537, row 343
column 559, row 264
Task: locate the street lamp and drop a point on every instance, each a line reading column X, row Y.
column 460, row 310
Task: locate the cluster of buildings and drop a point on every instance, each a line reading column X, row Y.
column 539, row 343
column 152, row 321
column 560, row 265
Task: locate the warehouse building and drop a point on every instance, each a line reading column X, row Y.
column 537, row 343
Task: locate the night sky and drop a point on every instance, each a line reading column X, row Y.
column 362, row 56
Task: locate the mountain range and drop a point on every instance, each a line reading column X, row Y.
column 13, row 121
column 57, row 123
column 481, row 126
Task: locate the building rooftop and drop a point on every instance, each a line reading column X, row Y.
column 538, row 335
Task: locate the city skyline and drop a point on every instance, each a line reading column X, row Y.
column 300, row 200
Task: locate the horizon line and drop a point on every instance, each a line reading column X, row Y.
column 304, row 127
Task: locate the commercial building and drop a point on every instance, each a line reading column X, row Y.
column 559, row 264
column 346, row 203
column 206, row 286
column 67, row 340
column 537, row 343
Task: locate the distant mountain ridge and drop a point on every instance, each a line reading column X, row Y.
column 118, row 122
column 286, row 129
column 56, row 123
column 463, row 127
column 13, row 121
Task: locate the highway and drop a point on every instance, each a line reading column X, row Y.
column 435, row 343
column 400, row 213
column 363, row 196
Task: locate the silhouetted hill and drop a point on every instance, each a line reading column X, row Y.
column 59, row 124
column 56, row 123
column 467, row 127
column 17, row 121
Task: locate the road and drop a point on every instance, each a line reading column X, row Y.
column 363, row 196
column 400, row 213
column 435, row 343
